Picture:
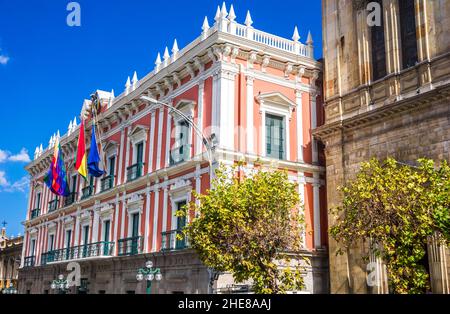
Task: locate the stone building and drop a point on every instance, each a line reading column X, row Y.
column 254, row 95
column 10, row 256
column 386, row 93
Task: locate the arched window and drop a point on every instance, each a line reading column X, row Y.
column 378, row 48
column 408, row 33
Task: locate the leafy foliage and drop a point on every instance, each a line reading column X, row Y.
column 246, row 226
column 399, row 208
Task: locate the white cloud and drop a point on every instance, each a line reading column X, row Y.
column 3, row 181
column 20, row 157
column 4, row 59
column 18, row 186
column 3, row 156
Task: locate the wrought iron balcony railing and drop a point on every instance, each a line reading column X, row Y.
column 173, row 240
column 69, row 200
column 98, row 249
column 35, row 213
column 53, row 205
column 180, row 154
column 107, row 183
column 130, row 246
column 29, row 261
column 135, row 171
column 87, row 192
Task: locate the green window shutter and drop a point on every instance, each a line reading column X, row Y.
column 275, row 136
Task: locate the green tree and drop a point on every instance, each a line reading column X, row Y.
column 397, row 207
column 249, row 225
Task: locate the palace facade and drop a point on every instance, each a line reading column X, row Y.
column 387, row 94
column 254, row 95
column 10, row 257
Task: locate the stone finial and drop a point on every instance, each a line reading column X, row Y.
column 74, row 123
column 248, row 19
column 58, row 136
column 175, row 50
column 70, row 128
column 134, row 80
column 223, row 12
column 166, row 56
column 41, row 149
column 112, row 96
column 232, row 14
column 158, row 62
column 50, row 141
column 36, row 153
column 296, row 35
column 309, row 40
column 128, row 83
column 205, row 28
column 217, row 17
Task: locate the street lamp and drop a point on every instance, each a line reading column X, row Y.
column 60, row 284
column 10, row 289
column 148, row 273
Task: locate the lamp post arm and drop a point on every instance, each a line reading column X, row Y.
column 199, row 132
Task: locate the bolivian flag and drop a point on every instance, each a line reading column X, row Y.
column 81, row 158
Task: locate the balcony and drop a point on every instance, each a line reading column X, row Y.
column 35, row 213
column 135, row 171
column 69, row 200
column 107, row 183
column 99, row 249
column 53, row 205
column 29, row 261
column 130, row 246
column 180, row 154
column 173, row 240
column 87, row 192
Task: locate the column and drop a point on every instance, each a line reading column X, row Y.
column 77, row 227
column 164, row 217
column 227, row 102
column 201, row 94
column 151, row 142
column 250, row 119
column 155, row 218
column 315, row 151
column 168, row 136
column 95, row 224
column 120, row 164
column 160, row 132
column 147, row 220
column 316, row 209
column 299, row 112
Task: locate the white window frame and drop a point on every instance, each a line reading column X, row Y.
column 276, row 104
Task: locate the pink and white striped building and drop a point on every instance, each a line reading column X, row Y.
column 257, row 96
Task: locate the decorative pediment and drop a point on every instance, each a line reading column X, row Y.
column 185, row 106
column 181, row 187
column 138, row 133
column 276, row 101
column 106, row 210
column 69, row 220
column 135, row 203
column 111, row 148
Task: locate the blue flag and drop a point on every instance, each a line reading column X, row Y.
column 94, row 157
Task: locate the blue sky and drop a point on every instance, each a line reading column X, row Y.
column 47, row 68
